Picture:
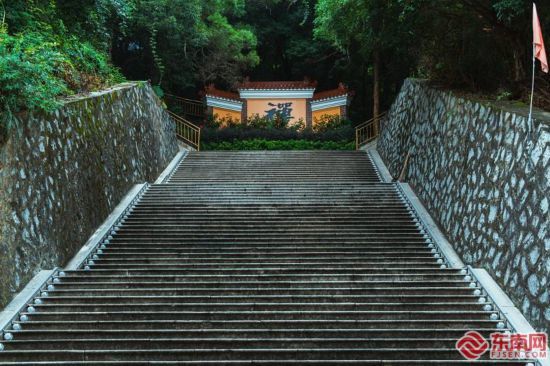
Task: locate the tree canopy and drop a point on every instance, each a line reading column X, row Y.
column 53, row 48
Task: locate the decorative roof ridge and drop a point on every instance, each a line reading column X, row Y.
column 212, row 91
column 305, row 84
column 340, row 91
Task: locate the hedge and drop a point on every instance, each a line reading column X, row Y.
column 263, row 144
column 214, row 135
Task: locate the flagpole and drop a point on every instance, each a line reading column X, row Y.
column 532, row 91
column 530, row 120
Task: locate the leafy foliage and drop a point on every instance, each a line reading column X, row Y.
column 209, row 134
column 263, row 144
column 329, row 122
column 186, row 44
column 54, row 48
column 477, row 45
column 41, row 61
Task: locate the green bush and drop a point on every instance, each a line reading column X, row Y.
column 36, row 68
column 211, row 135
column 262, row 144
column 330, row 122
column 43, row 58
column 29, row 68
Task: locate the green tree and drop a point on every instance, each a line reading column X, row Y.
column 186, row 43
column 42, row 60
column 375, row 29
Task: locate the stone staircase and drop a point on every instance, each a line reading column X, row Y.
column 264, row 258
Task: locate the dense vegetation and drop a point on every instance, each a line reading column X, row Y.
column 263, row 144
column 53, row 48
column 326, row 129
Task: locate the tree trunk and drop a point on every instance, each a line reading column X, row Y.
column 376, row 88
column 519, row 65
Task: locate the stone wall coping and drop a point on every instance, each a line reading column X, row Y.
column 539, row 115
column 505, row 305
column 167, row 173
column 122, row 86
column 430, row 225
column 74, row 99
column 105, row 228
column 24, row 297
column 380, row 166
column 432, row 228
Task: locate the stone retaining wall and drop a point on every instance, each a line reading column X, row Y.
column 65, row 172
column 484, row 176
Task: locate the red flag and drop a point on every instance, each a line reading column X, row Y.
column 538, row 41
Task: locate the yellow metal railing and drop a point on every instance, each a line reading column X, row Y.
column 368, row 131
column 186, row 131
column 184, row 106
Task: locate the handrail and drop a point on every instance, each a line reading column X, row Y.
column 187, row 131
column 368, row 131
column 186, row 106
column 182, row 98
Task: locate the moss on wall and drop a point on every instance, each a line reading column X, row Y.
column 64, row 173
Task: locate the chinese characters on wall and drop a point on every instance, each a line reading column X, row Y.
column 283, row 110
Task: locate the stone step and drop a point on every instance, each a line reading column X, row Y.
column 380, row 333
column 175, row 255
column 229, row 343
column 275, row 363
column 118, row 278
column 378, row 238
column 464, row 323
column 235, row 316
column 270, row 262
column 327, row 296
column 375, row 274
column 169, row 251
column 265, row 258
column 172, row 269
column 205, row 354
column 228, row 257
column 72, row 302
column 320, row 289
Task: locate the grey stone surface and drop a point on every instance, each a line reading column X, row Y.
column 103, row 230
column 65, row 172
column 24, row 297
column 484, row 176
column 431, row 227
column 167, row 173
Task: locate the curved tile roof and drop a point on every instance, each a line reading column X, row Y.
column 211, row 90
column 327, row 94
column 277, row 85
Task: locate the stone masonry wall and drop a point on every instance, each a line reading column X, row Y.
column 65, row 172
column 485, row 178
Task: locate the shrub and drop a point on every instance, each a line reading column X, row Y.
column 41, row 63
column 29, row 68
column 329, row 122
column 255, row 122
column 277, row 122
column 263, row 144
column 209, row 134
column 226, row 129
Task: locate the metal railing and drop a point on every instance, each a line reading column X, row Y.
column 184, row 106
column 368, row 131
column 186, row 131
